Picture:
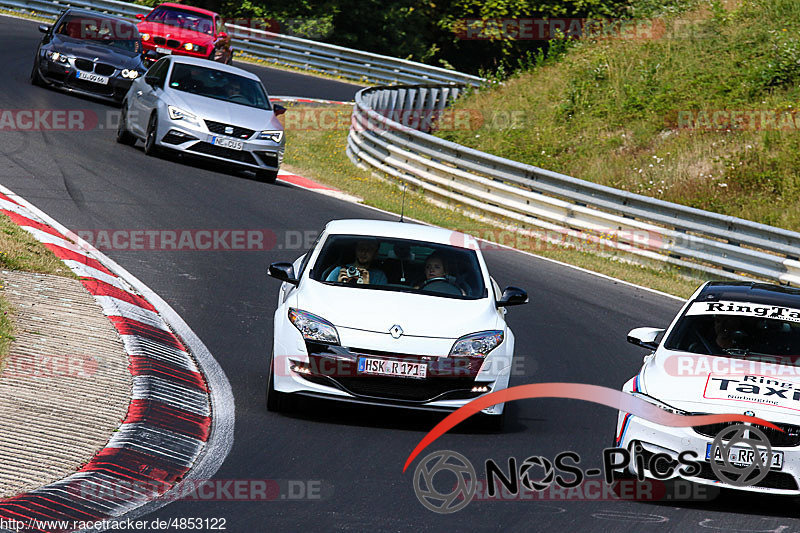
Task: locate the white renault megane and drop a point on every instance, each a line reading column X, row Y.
column 391, row 313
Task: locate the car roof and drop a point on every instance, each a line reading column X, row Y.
column 97, row 14
column 401, row 230
column 187, row 8
column 750, row 291
column 202, row 62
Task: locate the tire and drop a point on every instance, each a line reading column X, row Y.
column 277, row 402
column 36, row 78
column 123, row 135
column 267, row 176
column 150, row 147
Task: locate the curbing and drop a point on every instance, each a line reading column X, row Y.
column 169, row 421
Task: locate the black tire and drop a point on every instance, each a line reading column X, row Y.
column 277, row 402
column 267, row 176
column 150, row 147
column 36, row 78
column 123, row 135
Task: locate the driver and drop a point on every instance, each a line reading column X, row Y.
column 361, row 270
column 728, row 331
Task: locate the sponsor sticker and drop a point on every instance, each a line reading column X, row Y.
column 751, row 388
column 725, row 307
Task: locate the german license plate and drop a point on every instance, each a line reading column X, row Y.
column 743, row 456
column 227, row 142
column 384, row 367
column 163, row 50
column 94, row 78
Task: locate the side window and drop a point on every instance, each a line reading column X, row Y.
column 159, row 71
column 304, row 263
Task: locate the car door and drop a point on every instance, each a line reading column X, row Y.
column 145, row 95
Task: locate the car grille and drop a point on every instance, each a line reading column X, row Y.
column 226, row 153
column 84, row 65
column 403, row 389
column 172, row 43
column 790, row 436
column 219, row 127
column 98, row 68
column 773, row 480
column 159, row 40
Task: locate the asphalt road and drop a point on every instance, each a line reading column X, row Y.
column 573, row 330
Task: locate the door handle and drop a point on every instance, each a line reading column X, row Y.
column 138, row 93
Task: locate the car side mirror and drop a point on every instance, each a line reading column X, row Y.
column 512, row 296
column 645, row 337
column 43, row 28
column 139, row 16
column 283, row 272
column 278, row 110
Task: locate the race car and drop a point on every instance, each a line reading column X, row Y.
column 391, row 314
column 186, row 30
column 89, row 53
column 207, row 110
column 733, row 348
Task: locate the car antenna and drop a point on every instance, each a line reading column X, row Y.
column 403, row 205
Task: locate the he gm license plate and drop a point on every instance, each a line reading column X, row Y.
column 384, row 367
column 94, row 78
column 163, row 50
column 743, row 456
column 227, row 142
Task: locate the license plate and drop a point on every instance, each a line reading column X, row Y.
column 383, row 367
column 743, row 456
column 226, row 142
column 163, row 50
column 94, row 78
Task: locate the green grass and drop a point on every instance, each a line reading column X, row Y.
column 627, row 112
column 320, row 155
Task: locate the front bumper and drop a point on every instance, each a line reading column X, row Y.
column 655, row 438
column 193, row 139
column 65, row 76
column 175, row 50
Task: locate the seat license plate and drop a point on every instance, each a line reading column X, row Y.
column 384, row 367
column 226, row 142
column 94, row 78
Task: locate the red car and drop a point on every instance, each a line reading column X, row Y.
column 185, row 30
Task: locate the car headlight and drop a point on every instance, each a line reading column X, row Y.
column 179, row 114
column 191, row 47
column 477, row 344
column 659, row 403
column 131, row 74
column 271, row 135
column 312, row 327
column 145, row 36
column 57, row 57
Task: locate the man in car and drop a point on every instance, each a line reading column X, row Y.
column 729, row 331
column 360, row 271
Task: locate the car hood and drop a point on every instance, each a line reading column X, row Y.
column 377, row 311
column 225, row 112
column 708, row 384
column 181, row 34
column 92, row 51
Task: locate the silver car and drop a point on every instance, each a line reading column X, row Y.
column 204, row 109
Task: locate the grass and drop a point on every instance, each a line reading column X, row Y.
column 319, row 154
column 20, row 251
column 639, row 114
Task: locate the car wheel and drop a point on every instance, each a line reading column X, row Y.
column 123, row 135
column 491, row 423
column 36, row 78
column 150, row 147
column 277, row 402
column 267, row 176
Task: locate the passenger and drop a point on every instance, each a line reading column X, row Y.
column 361, row 270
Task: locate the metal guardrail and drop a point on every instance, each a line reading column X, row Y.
column 281, row 49
column 554, row 203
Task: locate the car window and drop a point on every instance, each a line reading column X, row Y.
column 181, row 18
column 159, row 71
column 108, row 31
column 400, row 265
column 738, row 329
column 219, row 85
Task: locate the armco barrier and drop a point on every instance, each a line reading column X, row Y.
column 721, row 245
column 305, row 54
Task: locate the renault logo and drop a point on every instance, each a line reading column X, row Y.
column 396, row 331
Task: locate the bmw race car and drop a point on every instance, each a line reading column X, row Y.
column 90, row 53
column 393, row 314
column 733, row 348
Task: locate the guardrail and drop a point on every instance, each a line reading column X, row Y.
column 281, row 49
column 554, row 203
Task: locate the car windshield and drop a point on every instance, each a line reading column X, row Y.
column 181, row 18
column 219, row 85
column 739, row 329
column 400, row 265
column 107, row 31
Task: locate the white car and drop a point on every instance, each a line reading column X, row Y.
column 733, row 348
column 391, row 313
